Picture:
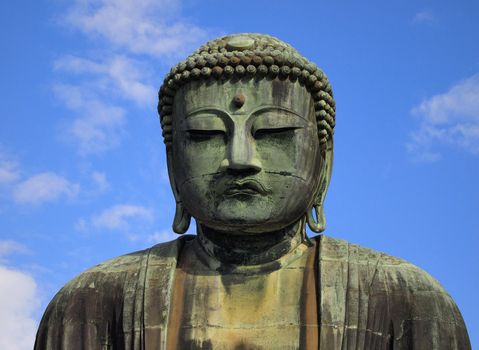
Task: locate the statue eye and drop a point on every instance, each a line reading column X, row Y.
column 204, row 135
column 274, row 132
column 276, row 123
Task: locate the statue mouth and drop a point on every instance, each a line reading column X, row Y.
column 246, row 187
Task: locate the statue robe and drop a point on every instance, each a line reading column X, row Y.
column 367, row 300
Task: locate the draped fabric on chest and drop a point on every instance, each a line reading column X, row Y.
column 156, row 298
column 348, row 318
column 364, row 299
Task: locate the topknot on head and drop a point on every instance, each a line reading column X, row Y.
column 249, row 55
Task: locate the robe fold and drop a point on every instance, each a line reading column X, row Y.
column 367, row 300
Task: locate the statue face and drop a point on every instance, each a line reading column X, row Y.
column 245, row 154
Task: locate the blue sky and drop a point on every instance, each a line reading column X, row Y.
column 82, row 164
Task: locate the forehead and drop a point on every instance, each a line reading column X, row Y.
column 204, row 94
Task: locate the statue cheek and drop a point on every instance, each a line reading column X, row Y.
column 276, row 151
column 292, row 152
column 198, row 158
column 198, row 195
column 307, row 162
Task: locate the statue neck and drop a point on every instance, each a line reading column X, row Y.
column 249, row 249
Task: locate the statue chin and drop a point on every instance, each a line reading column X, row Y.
column 248, row 216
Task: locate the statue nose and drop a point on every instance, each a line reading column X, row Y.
column 241, row 154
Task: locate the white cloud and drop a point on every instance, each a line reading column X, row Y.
column 121, row 75
column 424, row 17
column 450, row 118
column 100, row 181
column 18, row 302
column 81, row 225
column 161, row 236
column 119, row 217
column 9, row 171
column 152, row 27
column 99, row 127
column 144, row 29
column 8, row 247
column 44, row 187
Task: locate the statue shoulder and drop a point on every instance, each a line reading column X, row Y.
column 116, row 270
column 395, row 273
column 419, row 304
column 93, row 303
column 411, row 299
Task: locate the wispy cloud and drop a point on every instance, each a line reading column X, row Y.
column 100, row 181
column 450, row 118
column 118, row 75
column 152, row 27
column 8, row 247
column 133, row 37
column 9, row 170
column 424, row 17
column 98, row 127
column 117, row 218
column 19, row 301
column 47, row 186
column 44, row 187
column 161, row 236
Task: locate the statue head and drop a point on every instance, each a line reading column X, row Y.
column 248, row 126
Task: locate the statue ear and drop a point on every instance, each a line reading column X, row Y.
column 318, row 224
column 182, row 219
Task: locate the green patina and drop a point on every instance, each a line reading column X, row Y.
column 248, row 126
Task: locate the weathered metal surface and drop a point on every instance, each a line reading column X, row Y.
column 366, row 300
column 248, row 124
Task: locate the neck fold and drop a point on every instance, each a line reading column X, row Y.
column 249, row 249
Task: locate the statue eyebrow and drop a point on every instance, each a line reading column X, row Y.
column 210, row 109
column 266, row 108
column 222, row 114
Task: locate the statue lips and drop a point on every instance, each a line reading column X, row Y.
column 245, row 188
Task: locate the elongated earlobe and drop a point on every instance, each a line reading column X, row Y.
column 317, row 221
column 317, row 224
column 182, row 219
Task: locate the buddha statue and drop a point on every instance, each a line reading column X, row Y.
column 248, row 126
